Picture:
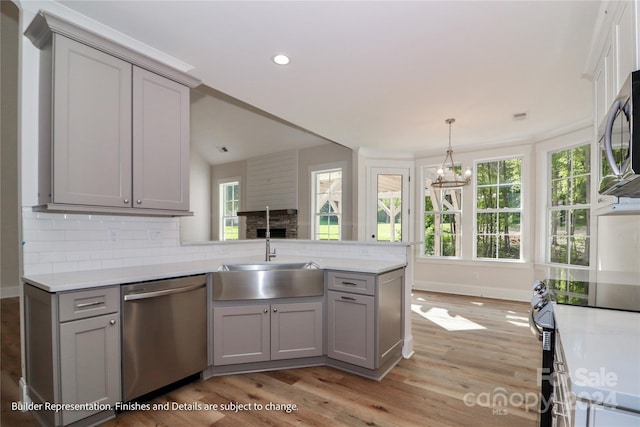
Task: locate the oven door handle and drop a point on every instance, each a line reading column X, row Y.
column 147, row 295
column 535, row 329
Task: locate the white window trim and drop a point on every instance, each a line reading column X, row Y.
column 320, row 169
column 548, row 208
column 423, row 212
column 522, row 210
column 219, row 183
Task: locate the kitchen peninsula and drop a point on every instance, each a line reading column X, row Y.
column 361, row 329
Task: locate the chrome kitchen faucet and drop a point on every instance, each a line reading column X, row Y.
column 268, row 254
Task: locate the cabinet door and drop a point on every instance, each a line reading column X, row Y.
column 351, row 326
column 91, row 126
column 160, row 142
column 626, row 43
column 296, row 330
column 89, row 363
column 240, row 334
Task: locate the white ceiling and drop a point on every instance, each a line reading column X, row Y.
column 382, row 76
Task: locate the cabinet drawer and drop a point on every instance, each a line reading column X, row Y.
column 351, row 282
column 94, row 302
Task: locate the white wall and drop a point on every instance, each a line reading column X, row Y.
column 619, row 244
column 496, row 279
column 198, row 227
column 319, row 158
column 226, row 172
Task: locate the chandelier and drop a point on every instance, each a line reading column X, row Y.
column 447, row 175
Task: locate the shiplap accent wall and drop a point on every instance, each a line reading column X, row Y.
column 272, row 180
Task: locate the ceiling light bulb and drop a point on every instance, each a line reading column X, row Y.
column 281, row 59
column 440, row 171
column 467, row 173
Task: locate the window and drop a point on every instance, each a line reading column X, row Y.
column 499, row 209
column 229, row 203
column 327, row 204
column 442, row 218
column 569, row 206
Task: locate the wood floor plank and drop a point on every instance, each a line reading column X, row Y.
column 456, row 377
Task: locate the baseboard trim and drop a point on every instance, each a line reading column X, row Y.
column 407, row 348
column 473, row 290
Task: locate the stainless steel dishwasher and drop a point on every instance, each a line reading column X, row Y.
column 164, row 333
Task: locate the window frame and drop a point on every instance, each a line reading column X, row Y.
column 427, row 169
column 222, row 184
column 315, row 215
column 568, row 208
column 520, row 210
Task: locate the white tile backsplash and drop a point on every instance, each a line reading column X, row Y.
column 58, row 243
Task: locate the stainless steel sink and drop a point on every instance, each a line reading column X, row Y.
column 269, row 266
column 267, row 281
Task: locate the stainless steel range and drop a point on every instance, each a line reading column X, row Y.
column 620, row 292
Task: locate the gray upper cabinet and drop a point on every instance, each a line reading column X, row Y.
column 114, row 131
column 160, row 142
column 91, row 126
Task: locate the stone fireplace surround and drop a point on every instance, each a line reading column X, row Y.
column 279, row 219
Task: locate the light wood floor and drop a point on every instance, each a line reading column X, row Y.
column 457, row 377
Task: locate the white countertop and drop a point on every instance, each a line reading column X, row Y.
column 58, row 282
column 602, row 353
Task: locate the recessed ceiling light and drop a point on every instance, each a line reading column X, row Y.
column 281, row 59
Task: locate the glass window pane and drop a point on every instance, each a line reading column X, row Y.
column 581, row 160
column 428, row 201
column 449, row 245
column 579, row 250
column 487, row 173
column 560, row 192
column 559, row 165
column 558, row 249
column 486, row 246
column 580, row 222
column 509, row 196
column 429, row 242
column 509, row 223
column 487, row 198
column 558, row 224
column 580, row 186
column 486, row 223
column 509, row 247
column 509, row 171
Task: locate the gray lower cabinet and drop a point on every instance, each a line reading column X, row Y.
column 364, row 317
column 351, row 328
column 72, row 352
column 262, row 332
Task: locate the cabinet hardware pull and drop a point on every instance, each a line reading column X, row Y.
column 275, row 310
column 348, row 298
column 139, row 201
column 349, row 283
column 112, row 322
column 89, row 304
column 126, row 201
column 266, row 310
